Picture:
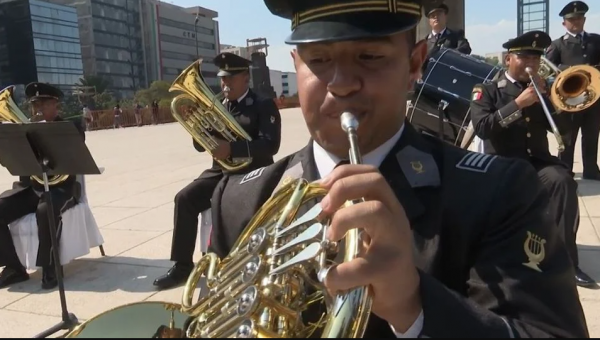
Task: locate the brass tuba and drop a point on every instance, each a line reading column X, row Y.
column 10, row 112
column 572, row 90
column 206, row 115
column 271, row 276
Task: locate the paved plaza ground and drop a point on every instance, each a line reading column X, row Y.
column 133, row 205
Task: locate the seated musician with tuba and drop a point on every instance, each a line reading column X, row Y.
column 260, row 118
column 26, row 197
column 509, row 118
column 458, row 244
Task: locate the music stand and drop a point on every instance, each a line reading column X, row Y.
column 46, row 149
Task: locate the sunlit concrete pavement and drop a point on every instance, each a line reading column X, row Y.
column 133, row 204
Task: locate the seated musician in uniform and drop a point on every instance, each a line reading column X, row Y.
column 453, row 244
column 26, row 197
column 260, row 118
column 509, row 118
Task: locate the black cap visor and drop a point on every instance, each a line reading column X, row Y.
column 353, row 26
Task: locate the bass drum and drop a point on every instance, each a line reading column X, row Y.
column 447, row 84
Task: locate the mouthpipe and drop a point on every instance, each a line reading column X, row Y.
column 349, row 122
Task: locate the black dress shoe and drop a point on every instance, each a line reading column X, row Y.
column 176, row 276
column 10, row 276
column 592, row 176
column 584, row 280
column 49, row 278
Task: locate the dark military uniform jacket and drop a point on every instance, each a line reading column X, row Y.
column 70, row 186
column 448, row 39
column 569, row 51
column 260, row 118
column 508, row 131
column 472, row 215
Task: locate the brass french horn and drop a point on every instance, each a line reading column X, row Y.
column 573, row 89
column 205, row 115
column 260, row 290
column 10, row 112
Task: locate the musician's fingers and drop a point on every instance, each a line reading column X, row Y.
column 345, row 171
column 370, row 186
column 372, row 216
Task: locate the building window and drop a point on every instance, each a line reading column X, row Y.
column 185, row 26
column 184, row 41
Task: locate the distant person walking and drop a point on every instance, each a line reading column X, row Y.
column 155, row 112
column 117, row 113
column 88, row 118
column 138, row 114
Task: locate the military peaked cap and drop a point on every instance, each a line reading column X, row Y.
column 338, row 20
column 533, row 42
column 38, row 91
column 230, row 64
column 439, row 7
column 573, row 9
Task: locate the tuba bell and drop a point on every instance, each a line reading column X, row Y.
column 262, row 287
column 206, row 115
column 573, row 89
column 10, row 113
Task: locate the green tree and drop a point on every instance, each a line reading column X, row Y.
column 158, row 90
column 98, row 83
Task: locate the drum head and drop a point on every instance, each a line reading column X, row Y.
column 137, row 320
column 447, row 85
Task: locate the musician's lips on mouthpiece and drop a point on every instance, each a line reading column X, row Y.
column 358, row 114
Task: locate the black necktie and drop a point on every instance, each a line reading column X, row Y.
column 232, row 105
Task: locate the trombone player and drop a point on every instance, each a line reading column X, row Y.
column 260, row 118
column 508, row 116
column 26, row 198
column 444, row 228
column 578, row 47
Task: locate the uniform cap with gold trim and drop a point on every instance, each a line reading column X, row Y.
column 340, row 20
column 436, row 7
column 230, row 64
column 38, row 91
column 574, row 9
column 533, row 42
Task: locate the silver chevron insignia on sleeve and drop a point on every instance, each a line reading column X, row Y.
column 476, row 162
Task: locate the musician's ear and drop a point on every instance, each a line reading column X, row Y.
column 417, row 58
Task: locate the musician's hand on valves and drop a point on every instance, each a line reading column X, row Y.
column 527, row 98
column 386, row 263
column 223, row 150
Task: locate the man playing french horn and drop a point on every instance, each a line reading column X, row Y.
column 260, row 118
column 26, row 197
column 455, row 244
column 508, row 116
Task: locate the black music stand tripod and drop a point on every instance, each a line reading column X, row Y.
column 46, row 149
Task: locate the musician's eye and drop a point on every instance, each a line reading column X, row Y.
column 316, row 61
column 369, row 57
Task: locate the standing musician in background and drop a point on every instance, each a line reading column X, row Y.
column 26, row 197
column 509, row 118
column 441, row 35
column 450, row 235
column 261, row 119
column 578, row 47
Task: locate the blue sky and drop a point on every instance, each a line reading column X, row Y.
column 489, row 23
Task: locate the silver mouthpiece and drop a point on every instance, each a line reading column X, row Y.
column 349, row 122
column 528, row 70
column 226, row 89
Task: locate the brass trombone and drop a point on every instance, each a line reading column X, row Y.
column 572, row 90
column 561, row 144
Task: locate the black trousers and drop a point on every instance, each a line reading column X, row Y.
column 189, row 203
column 589, row 123
column 564, row 202
column 21, row 203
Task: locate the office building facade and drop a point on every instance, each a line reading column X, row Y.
column 284, row 83
column 39, row 41
column 112, row 43
column 176, row 37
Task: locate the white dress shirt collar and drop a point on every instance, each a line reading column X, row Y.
column 326, row 161
column 433, row 32
column 575, row 34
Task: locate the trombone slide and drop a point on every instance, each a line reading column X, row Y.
column 561, row 145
